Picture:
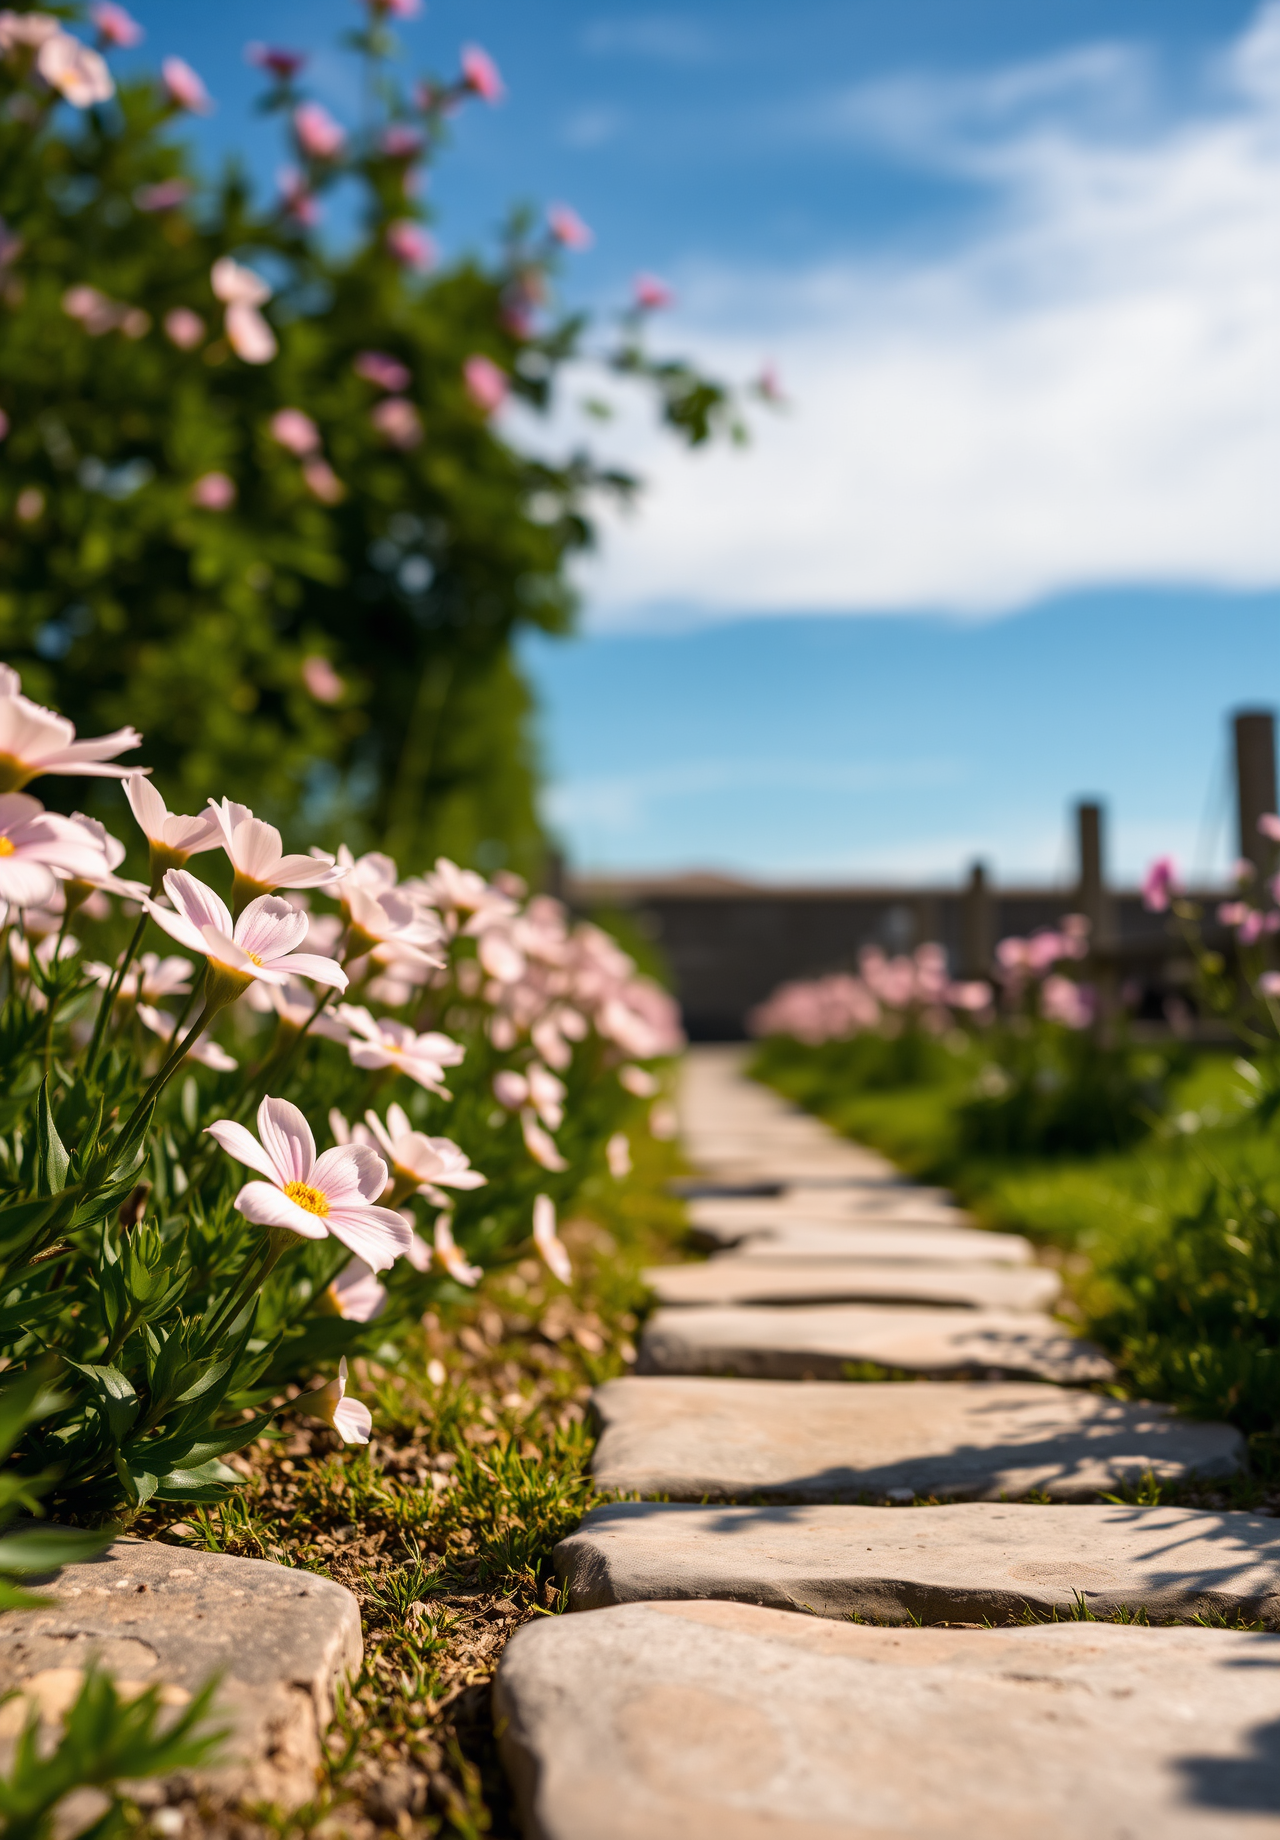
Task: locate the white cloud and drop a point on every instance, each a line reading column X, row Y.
column 1084, row 390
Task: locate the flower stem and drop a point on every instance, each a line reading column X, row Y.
column 112, row 992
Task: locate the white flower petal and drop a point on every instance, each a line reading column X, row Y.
column 265, row 1206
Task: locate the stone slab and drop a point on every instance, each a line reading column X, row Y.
column 972, row 1562
column 154, row 1613
column 945, row 1284
column 914, row 1245
column 717, row 1721
column 819, row 1341
column 773, row 1439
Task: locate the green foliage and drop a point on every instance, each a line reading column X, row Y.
column 1047, row 1090
column 405, row 553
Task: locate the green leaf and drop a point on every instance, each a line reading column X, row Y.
column 206, row 1482
column 116, row 1397
column 44, row 1549
column 20, row 1222
column 51, row 1156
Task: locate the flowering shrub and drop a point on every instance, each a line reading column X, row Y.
column 259, row 490
column 174, row 1239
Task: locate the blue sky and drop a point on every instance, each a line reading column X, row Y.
column 1014, row 536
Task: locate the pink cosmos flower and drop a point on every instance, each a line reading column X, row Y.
column 183, row 328
column 451, row 1255
column 244, row 293
column 150, row 978
column 186, row 91
column 256, row 852
column 398, row 9
column 321, row 680
column 262, row 943
column 409, row 243
column 568, row 228
column 1063, row 1000
column 398, row 422
column 480, row 74
column 28, row 30
column 1159, row 885
column 296, row 196
column 663, row 1122
column 400, row 141
column 487, row 386
column 352, row 1421
column 545, row 1238
column 295, row 430
column 30, row 505
column 314, row 1196
column 510, row 1089
column 1269, row 825
column 319, row 136
column 322, row 482
column 207, row 1052
column 380, row 368
column 280, row 63
column 355, row 1293
column 115, row 26
column 76, row 71
column 99, row 872
column 214, row 492
column 638, row 1081
column 35, row 740
column 172, row 838
column 384, row 1043
column 167, row 195
column 1269, row 984
column 420, row 1164
column 650, row 294
column 36, row 847
column 617, row 1154
column 540, row 1144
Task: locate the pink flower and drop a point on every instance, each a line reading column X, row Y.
column 663, row 1122
column 1252, row 927
column 115, row 26
column 206, row 1052
column 400, row 141
column 638, row 1081
column 284, row 65
column 451, row 1255
column 295, row 430
column 551, row 1247
column 76, row 71
column 36, row 847
column 1269, row 984
column 409, row 243
column 29, row 506
column 4, row 424
column 480, row 74
column 244, row 292
column 649, row 293
column 186, row 91
column 385, row 1043
column 1159, row 885
column 768, row 387
column 27, row 29
column 487, row 386
column 333, row 1194
column 568, row 228
column 398, row 422
column 322, row 482
column 172, row 837
column 35, row 740
column 380, row 368
column 352, row 1421
column 1269, row 825
column 296, row 196
column 166, row 196
column 396, row 9
column 420, row 1164
column 321, row 680
column 260, row 944
column 1063, row 1000
column 510, row 1088
column 355, row 1293
column 540, row 1144
column 183, row 328
column 214, row 492
column 256, row 853
column 617, row 1154
column 319, row 135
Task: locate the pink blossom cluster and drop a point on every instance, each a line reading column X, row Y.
column 1028, row 974
column 887, row 994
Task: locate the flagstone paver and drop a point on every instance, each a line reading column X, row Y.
column 947, row 1285
column 971, row 1562
column 719, row 1721
column 689, row 1438
column 894, row 1243
column 819, row 1341
column 149, row 1613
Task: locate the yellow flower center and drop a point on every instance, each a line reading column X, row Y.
column 6, row 846
column 312, row 1199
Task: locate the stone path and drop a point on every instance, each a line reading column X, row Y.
column 718, row 1687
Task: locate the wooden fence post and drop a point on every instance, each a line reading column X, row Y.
column 1255, row 739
